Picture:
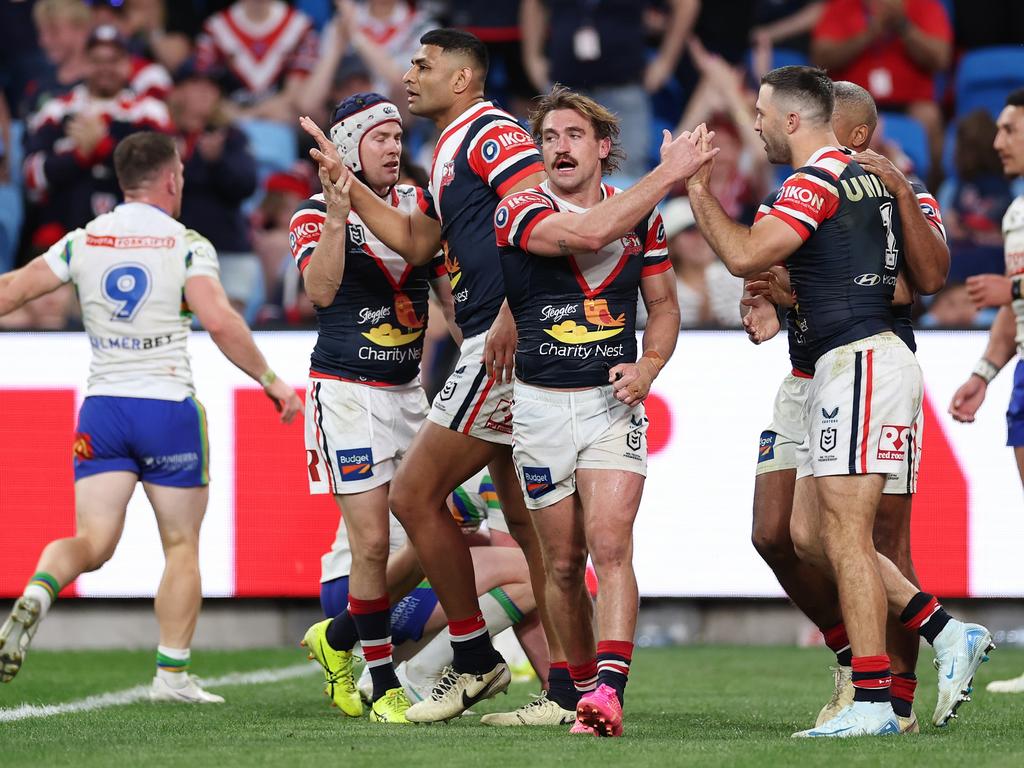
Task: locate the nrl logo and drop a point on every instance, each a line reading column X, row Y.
column 356, row 235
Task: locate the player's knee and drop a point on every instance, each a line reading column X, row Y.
column 566, row 570
column 774, row 545
column 372, row 553
column 405, row 501
column 613, row 552
column 806, row 543
column 99, row 552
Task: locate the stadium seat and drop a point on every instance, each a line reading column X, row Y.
column 912, row 138
column 11, row 205
column 274, row 145
column 985, row 76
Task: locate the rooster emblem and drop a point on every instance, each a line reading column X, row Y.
column 405, row 313
column 597, row 313
column 451, row 266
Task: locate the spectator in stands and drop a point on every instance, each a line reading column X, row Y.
column 894, row 49
column 287, row 302
column 708, row 295
column 268, row 48
column 137, row 20
column 496, row 23
column 221, row 173
column 781, row 24
column 63, row 28
column 598, row 47
column 974, row 200
column 69, row 172
column 742, row 175
column 951, row 308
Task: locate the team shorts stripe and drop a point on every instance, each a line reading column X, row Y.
column 460, row 414
column 855, row 418
column 867, row 411
column 204, row 440
column 321, row 436
column 479, row 404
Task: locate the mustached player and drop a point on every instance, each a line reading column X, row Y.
column 139, row 274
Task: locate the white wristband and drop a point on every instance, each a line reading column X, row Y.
column 985, row 370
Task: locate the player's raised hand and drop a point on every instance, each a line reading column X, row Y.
column 285, row 400
column 989, row 290
column 336, row 194
column 882, row 167
column 761, row 322
column 967, row 399
column 684, row 155
column 774, row 286
column 324, row 154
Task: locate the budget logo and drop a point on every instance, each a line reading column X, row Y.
column 766, row 447
column 355, row 464
column 892, row 443
column 537, row 481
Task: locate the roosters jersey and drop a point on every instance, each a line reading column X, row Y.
column 844, row 274
column 129, row 268
column 479, row 158
column 373, row 330
column 576, row 315
column 259, row 55
column 1013, row 242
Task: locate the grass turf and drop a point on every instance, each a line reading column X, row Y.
column 685, row 706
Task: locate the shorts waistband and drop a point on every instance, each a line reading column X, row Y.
column 561, row 396
column 884, row 340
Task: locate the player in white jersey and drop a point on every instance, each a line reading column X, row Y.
column 1006, row 339
column 138, row 273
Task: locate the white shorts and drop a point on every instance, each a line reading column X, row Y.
column 355, row 433
column 472, row 403
column 556, row 432
column 778, row 445
column 863, row 408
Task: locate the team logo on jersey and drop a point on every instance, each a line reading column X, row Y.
column 766, row 447
column 537, row 481
column 82, row 447
column 500, row 419
column 356, row 235
column 596, row 312
column 830, row 417
column 355, row 464
column 827, row 439
column 631, row 245
column 447, row 173
column 892, row 443
column 451, row 266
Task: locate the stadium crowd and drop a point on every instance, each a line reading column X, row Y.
column 228, row 80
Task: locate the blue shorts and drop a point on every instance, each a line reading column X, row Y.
column 1015, row 413
column 408, row 617
column 162, row 441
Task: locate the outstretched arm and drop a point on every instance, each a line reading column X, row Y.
column 1001, row 348
column 30, row 282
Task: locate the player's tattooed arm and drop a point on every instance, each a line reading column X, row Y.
column 564, row 249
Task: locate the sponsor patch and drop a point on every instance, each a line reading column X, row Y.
column 827, row 440
column 892, row 443
column 830, row 417
column 490, row 150
column 635, row 436
column 355, row 464
column 766, row 446
column 500, row 419
column 537, row 481
column 82, row 447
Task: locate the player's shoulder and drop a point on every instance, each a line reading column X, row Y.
column 313, row 205
column 1013, row 219
column 196, row 241
column 496, row 130
column 828, row 164
column 534, row 197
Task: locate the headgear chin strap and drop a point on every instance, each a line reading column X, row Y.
column 354, row 118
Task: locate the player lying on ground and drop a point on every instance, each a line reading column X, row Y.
column 139, row 275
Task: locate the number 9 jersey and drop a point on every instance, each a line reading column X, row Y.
column 129, row 269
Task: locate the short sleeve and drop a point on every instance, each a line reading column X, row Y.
column 437, row 267
column 929, row 207
column 517, row 215
column 503, row 154
column 59, row 255
column 425, row 202
column 304, row 231
column 201, row 257
column 655, row 247
column 804, row 201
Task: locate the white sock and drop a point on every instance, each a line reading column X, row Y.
column 172, row 665
column 496, row 615
column 41, row 595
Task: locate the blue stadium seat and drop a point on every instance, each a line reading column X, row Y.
column 11, row 205
column 274, row 145
column 912, row 138
column 985, row 76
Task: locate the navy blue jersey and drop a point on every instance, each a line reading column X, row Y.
column 575, row 315
column 479, row 158
column 372, row 332
column 844, row 274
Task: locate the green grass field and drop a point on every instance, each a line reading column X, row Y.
column 702, row 706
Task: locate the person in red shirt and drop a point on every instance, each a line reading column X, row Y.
column 894, row 48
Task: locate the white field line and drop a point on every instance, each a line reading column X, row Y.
column 141, row 693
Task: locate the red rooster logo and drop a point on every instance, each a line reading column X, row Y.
column 405, row 313
column 597, row 313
